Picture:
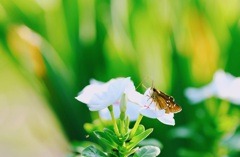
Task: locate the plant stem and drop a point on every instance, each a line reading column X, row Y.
column 134, row 129
column 127, row 122
column 122, row 124
column 110, row 108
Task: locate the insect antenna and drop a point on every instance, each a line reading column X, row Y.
column 152, row 85
column 141, row 84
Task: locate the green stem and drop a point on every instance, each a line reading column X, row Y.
column 122, row 124
column 127, row 122
column 134, row 129
column 110, row 108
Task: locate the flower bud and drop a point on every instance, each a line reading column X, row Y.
column 123, row 103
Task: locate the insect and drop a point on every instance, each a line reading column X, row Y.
column 163, row 101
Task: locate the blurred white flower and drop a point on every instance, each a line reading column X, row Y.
column 99, row 95
column 224, row 86
column 150, row 109
column 234, row 91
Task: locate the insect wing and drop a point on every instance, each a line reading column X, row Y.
column 171, row 105
column 174, row 108
column 161, row 103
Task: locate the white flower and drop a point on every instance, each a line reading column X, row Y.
column 150, row 109
column 224, row 86
column 132, row 111
column 234, row 90
column 98, row 96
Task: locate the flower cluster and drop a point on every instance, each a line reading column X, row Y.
column 118, row 97
column 224, row 86
column 99, row 96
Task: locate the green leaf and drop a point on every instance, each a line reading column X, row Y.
column 106, row 139
column 140, row 129
column 125, row 137
column 147, row 151
column 112, row 136
column 92, row 151
column 136, row 139
column 97, row 124
column 130, row 152
column 151, row 142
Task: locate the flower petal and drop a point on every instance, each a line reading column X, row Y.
column 135, row 97
column 93, row 81
column 86, row 94
column 150, row 113
column 196, row 95
column 100, row 95
column 167, row 119
column 131, row 112
column 222, row 80
column 149, row 107
column 223, row 86
column 233, row 91
column 105, row 114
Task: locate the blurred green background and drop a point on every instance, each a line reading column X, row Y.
column 49, row 49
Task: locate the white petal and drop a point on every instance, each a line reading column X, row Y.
column 167, row 119
column 222, row 80
column 196, row 95
column 100, row 95
column 105, row 114
column 93, row 81
column 227, row 86
column 86, row 94
column 150, row 113
column 132, row 111
column 222, row 77
column 233, row 91
column 129, row 87
column 216, row 88
column 140, row 99
column 135, row 97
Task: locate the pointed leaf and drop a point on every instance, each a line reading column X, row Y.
column 140, row 129
column 106, row 139
column 136, row 139
column 112, row 136
column 125, row 137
